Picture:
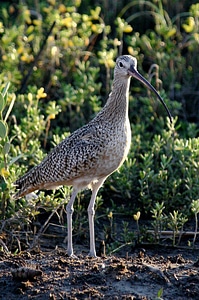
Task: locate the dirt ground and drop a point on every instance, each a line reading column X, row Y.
column 134, row 272
column 139, row 274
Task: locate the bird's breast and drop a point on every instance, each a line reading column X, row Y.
column 117, row 147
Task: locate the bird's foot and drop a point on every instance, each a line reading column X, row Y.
column 92, row 254
column 71, row 254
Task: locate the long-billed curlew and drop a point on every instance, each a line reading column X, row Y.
column 90, row 154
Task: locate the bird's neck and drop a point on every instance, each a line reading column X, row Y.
column 118, row 101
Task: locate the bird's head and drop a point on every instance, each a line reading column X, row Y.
column 126, row 65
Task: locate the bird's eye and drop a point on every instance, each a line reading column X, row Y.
column 121, row 64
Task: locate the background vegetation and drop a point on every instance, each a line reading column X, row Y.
column 56, row 62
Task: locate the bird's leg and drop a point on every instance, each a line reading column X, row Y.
column 91, row 213
column 70, row 209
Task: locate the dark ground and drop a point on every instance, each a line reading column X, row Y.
column 135, row 272
column 132, row 274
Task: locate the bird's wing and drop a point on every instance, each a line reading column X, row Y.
column 73, row 158
column 76, row 155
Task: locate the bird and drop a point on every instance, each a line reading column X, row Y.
column 93, row 152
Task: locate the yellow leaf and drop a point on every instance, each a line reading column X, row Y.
column 20, row 50
column 110, row 215
column 68, row 22
column 31, row 37
column 51, row 116
column 30, row 97
column 62, row 8
column 171, row 32
column 189, row 27
column 41, row 94
column 128, row 29
column 52, row 2
column 137, row 216
column 37, row 22
column 70, row 43
column 4, row 172
column 1, row 27
column 30, row 29
column 196, row 37
column 26, row 58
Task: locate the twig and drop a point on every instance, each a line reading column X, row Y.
column 45, row 225
column 25, row 79
column 159, row 273
column 169, row 233
column 5, row 248
column 196, row 229
column 120, row 247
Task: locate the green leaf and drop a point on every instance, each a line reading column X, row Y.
column 6, row 148
column 3, row 130
column 3, row 185
column 160, row 292
column 10, row 107
column 2, row 102
column 5, row 90
column 13, row 160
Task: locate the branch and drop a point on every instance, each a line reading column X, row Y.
column 25, row 79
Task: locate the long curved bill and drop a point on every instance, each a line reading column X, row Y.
column 134, row 73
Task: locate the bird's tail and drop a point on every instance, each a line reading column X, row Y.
column 26, row 184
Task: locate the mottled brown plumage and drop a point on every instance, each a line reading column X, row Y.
column 90, row 154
